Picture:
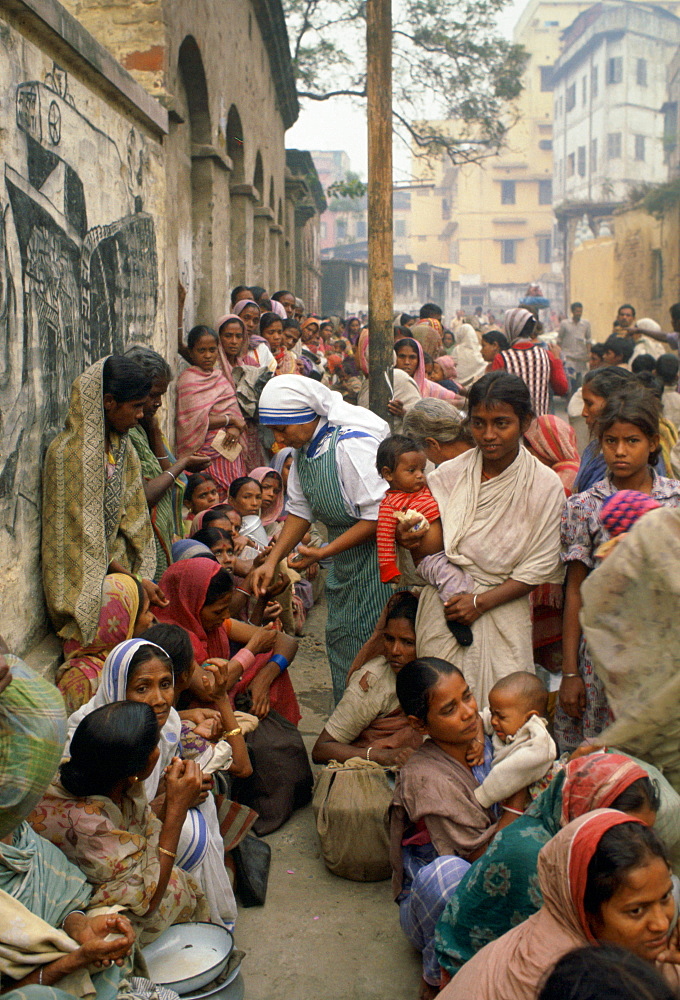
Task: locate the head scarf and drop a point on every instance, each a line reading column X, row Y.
column 279, row 309
column 594, row 782
column 240, row 306
column 554, row 441
column 189, row 548
column 514, row 322
column 426, row 387
column 620, row 511
column 185, row 585
column 200, row 394
column 78, row 677
column 428, row 335
column 293, row 399
column 278, row 462
column 32, row 735
column 113, row 687
column 467, row 353
column 512, row 967
column 227, row 367
column 352, row 338
column 447, row 365
column 273, row 514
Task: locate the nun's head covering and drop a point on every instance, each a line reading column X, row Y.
column 293, row 399
column 189, row 548
column 32, row 737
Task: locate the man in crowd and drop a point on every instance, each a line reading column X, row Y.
column 574, row 337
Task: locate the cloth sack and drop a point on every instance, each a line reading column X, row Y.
column 351, row 804
column 252, row 859
column 282, row 778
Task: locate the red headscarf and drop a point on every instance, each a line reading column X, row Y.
column 595, row 781
column 185, row 585
column 554, row 441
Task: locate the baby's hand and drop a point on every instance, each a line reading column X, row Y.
column 475, row 753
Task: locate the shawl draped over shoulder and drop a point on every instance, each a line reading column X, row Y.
column 505, row 528
column 88, row 519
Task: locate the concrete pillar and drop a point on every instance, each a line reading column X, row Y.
column 243, row 199
column 263, row 218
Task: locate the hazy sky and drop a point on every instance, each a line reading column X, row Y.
column 338, row 124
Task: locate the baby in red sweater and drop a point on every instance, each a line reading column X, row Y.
column 401, row 462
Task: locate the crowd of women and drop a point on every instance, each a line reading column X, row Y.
column 178, row 571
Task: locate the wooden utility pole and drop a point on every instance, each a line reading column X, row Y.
column 380, row 260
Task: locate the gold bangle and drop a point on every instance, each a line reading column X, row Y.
column 170, row 854
column 232, row 732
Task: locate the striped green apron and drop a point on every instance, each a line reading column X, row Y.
column 354, row 592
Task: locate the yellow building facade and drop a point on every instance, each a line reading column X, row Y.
column 491, row 223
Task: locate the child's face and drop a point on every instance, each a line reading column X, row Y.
column 437, row 374
column 290, row 338
column 626, row 450
column 271, row 489
column 507, row 714
column 204, row 353
column 249, row 499
column 204, row 496
column 224, row 552
column 489, row 351
column 234, row 519
column 409, row 474
column 273, row 334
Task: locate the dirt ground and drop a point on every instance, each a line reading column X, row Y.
column 320, row 937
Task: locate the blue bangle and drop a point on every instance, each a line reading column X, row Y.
column 280, row 661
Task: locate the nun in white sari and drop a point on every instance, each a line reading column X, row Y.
column 506, row 528
column 201, row 848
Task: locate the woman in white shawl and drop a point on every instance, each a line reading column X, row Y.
column 201, row 848
column 467, row 354
column 500, row 510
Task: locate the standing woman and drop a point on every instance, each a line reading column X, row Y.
column 234, row 353
column 95, row 518
column 334, row 480
column 206, row 403
column 500, row 510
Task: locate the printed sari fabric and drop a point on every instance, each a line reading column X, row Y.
column 89, row 518
column 199, row 395
column 166, row 513
column 116, row 848
column 78, row 678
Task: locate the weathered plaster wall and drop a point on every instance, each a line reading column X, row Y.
column 82, row 198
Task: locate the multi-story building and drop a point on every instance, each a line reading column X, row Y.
column 491, row 223
column 610, row 88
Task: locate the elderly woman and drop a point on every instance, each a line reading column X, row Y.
column 439, row 429
column 159, row 469
column 334, row 480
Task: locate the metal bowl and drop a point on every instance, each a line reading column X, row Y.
column 187, row 957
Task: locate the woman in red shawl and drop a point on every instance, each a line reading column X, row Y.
column 199, row 593
column 553, row 442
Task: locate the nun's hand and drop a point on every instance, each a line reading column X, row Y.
column 306, row 556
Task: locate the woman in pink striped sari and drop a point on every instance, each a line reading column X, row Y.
column 206, row 403
column 234, row 352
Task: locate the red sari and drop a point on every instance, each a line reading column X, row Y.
column 185, row 584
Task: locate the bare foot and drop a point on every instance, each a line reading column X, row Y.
column 427, row 991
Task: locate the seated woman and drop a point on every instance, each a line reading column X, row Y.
column 368, row 721
column 125, row 613
column 485, row 907
column 142, row 671
column 271, row 504
column 438, row 828
column 604, row 878
column 96, row 812
column 95, row 515
column 206, row 404
column 199, row 595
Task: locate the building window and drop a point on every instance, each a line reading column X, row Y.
column 614, row 146
column 544, row 249
column 571, row 97
column 615, row 69
column 571, row 165
column 584, row 90
column 323, row 230
column 400, row 228
column 401, row 200
column 639, row 147
column 507, row 192
column 593, row 155
column 446, row 209
column 341, row 229
column 508, row 251
column 545, row 192
column 454, row 255
column 641, row 73
column 657, row 274
column 546, row 77
column 581, row 161
column 361, row 229
column 546, row 144
column 594, row 83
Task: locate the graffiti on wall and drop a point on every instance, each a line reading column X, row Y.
column 82, row 290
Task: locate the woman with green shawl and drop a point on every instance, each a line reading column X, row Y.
column 47, row 939
column 162, row 485
column 501, row 889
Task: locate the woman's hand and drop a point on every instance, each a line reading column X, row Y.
column 396, row 408
column 262, row 641
column 183, row 783
column 461, row 608
column 573, row 696
column 407, row 537
column 306, row 556
column 392, row 758
column 259, row 690
column 671, row 953
column 207, row 722
column 91, row 932
column 156, row 595
column 262, row 557
column 240, row 543
column 196, row 463
column 282, row 583
column 272, row 611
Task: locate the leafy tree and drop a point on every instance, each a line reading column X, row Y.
column 454, row 77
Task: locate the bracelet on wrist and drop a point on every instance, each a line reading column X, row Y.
column 570, row 675
column 163, row 850
column 70, row 914
column 280, row 661
column 232, row 732
column 515, row 812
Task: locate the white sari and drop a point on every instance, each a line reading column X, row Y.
column 506, row 528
